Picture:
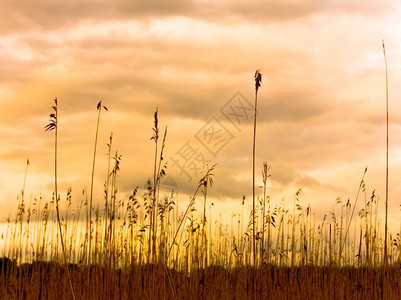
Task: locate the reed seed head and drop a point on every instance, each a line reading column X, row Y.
column 258, row 79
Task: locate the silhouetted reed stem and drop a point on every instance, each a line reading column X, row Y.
column 258, row 81
column 53, row 125
column 386, row 214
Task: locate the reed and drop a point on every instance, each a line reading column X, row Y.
column 99, row 108
column 386, row 203
column 258, row 82
column 144, row 247
column 53, row 125
column 300, row 242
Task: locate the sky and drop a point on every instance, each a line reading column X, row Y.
column 321, row 107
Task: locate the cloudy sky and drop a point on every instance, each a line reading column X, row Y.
column 321, row 109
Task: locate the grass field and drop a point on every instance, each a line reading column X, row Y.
column 42, row 280
column 144, row 247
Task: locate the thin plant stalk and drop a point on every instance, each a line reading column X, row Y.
column 53, row 125
column 152, row 219
column 207, row 180
column 160, row 173
column 386, row 214
column 106, row 196
column 99, row 108
column 191, row 203
column 258, row 81
column 264, row 177
column 204, row 261
column 353, row 210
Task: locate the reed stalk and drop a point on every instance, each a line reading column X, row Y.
column 99, row 109
column 53, row 125
column 386, row 203
column 258, row 82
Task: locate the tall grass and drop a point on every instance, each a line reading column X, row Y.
column 258, row 82
column 53, row 125
column 144, row 247
column 333, row 245
column 386, row 211
column 99, row 109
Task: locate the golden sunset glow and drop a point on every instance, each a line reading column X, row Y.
column 321, row 112
column 198, row 149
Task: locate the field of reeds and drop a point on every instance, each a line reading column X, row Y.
column 144, row 247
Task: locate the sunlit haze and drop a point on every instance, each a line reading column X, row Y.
column 321, row 107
